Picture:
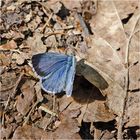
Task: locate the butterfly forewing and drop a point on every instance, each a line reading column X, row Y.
column 44, row 64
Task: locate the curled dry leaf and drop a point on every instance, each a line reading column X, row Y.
column 108, row 52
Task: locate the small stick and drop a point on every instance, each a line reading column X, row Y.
column 54, row 33
column 47, row 23
column 17, row 83
column 47, row 111
column 28, row 116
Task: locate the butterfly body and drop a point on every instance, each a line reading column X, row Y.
column 56, row 72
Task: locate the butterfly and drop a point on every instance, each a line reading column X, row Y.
column 56, row 71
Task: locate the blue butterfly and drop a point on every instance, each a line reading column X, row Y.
column 56, row 71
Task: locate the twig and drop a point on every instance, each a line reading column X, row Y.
column 53, row 33
column 53, row 114
column 47, row 111
column 28, row 116
column 17, row 83
column 47, row 23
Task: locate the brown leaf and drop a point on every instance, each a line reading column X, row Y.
column 36, row 44
column 19, row 59
column 68, row 4
column 29, row 132
column 8, row 80
column 10, row 45
column 98, row 111
column 5, row 60
column 69, row 125
column 134, row 61
column 132, row 110
column 107, row 25
column 6, row 132
column 24, row 103
column 128, row 12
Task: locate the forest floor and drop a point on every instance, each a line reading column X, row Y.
column 104, row 36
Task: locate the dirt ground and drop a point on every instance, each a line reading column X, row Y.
column 104, row 38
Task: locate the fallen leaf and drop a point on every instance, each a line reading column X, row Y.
column 98, row 112
column 36, row 44
column 24, row 103
column 8, row 46
column 132, row 110
column 29, row 132
column 107, row 25
column 6, row 132
column 69, row 125
column 19, row 60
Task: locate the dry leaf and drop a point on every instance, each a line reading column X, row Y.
column 107, row 25
column 24, row 103
column 8, row 46
column 36, row 44
column 6, row 132
column 19, row 60
column 132, row 110
column 98, row 112
column 29, row 132
column 69, row 125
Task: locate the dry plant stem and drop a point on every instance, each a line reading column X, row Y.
column 17, row 83
column 121, row 120
column 47, row 23
column 52, row 114
column 54, row 33
column 47, row 111
column 28, row 116
column 6, row 105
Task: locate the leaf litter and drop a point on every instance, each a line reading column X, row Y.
column 104, row 35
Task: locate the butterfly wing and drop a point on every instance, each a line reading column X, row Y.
column 70, row 77
column 53, row 69
column 55, row 82
column 45, row 63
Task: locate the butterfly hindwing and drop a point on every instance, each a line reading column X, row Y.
column 55, row 82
